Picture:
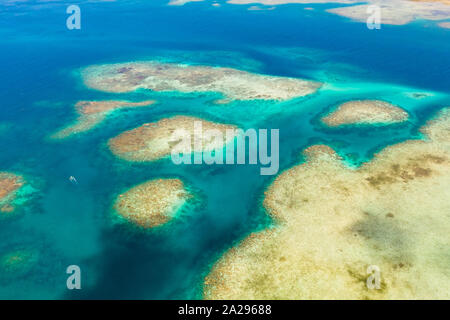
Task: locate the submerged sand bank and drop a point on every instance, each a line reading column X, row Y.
column 334, row 222
column 277, row 2
column 17, row 263
column 445, row 25
column 398, row 12
column 365, row 112
column 153, row 141
column 393, row 12
column 91, row 113
column 233, row 84
column 152, row 203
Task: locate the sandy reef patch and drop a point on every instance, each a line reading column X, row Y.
column 9, row 186
column 91, row 113
column 393, row 12
column 333, row 222
column 277, row 2
column 398, row 12
column 152, row 203
column 445, row 25
column 365, row 112
column 153, row 141
column 232, row 83
column 17, row 263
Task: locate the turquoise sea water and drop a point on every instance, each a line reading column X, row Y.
column 67, row 224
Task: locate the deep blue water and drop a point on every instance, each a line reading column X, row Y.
column 72, row 224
